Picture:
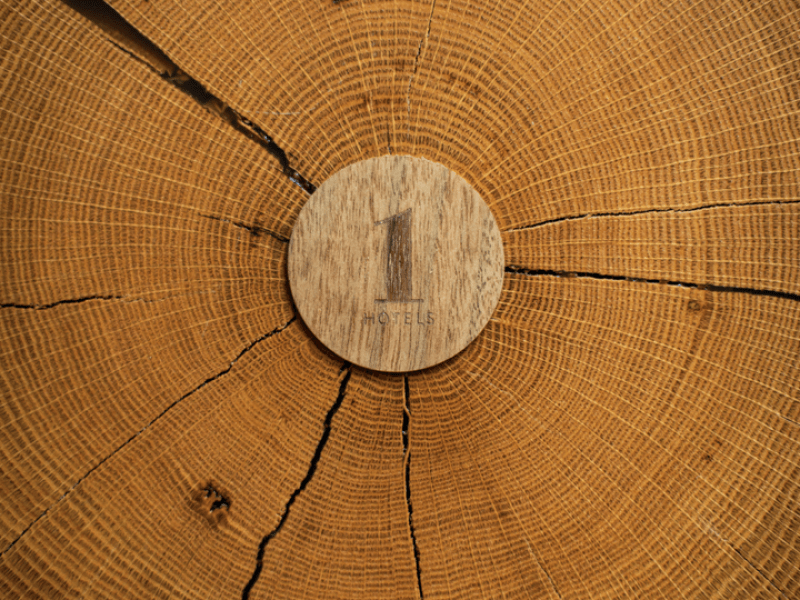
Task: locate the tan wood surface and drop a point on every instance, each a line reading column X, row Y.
column 627, row 424
column 396, row 263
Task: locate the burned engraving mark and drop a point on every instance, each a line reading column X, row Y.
column 398, row 258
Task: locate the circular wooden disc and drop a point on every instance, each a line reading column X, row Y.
column 396, row 263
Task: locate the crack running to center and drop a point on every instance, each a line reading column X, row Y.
column 684, row 284
column 57, row 303
column 417, row 59
column 152, row 421
column 135, row 44
column 760, row 572
column 649, row 211
column 407, row 469
column 312, row 468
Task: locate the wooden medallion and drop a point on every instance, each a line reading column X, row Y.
column 396, row 263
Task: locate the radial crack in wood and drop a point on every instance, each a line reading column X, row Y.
column 353, row 496
column 646, row 212
column 749, row 248
column 626, row 425
column 135, row 212
column 254, row 431
column 590, row 417
column 685, row 284
column 154, row 420
column 63, row 302
column 312, row 467
column 406, row 434
column 132, row 41
column 255, row 230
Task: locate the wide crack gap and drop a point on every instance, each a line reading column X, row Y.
column 163, row 413
column 132, row 42
column 684, row 284
column 407, row 469
column 326, row 431
column 648, row 211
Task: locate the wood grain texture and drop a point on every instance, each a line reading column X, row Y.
column 358, row 493
column 642, row 445
column 396, row 263
column 132, row 527
column 752, row 246
column 627, row 424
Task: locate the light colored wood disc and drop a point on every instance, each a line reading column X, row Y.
column 396, row 263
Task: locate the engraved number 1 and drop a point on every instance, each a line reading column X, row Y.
column 398, row 261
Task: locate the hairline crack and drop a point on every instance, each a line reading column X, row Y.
column 649, row 211
column 255, row 230
column 82, row 299
column 417, row 60
column 759, row 571
column 154, row 420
